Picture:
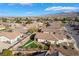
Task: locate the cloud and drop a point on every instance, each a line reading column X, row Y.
column 61, row 8
column 22, row 4
column 11, row 4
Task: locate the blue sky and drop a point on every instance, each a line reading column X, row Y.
column 36, row 9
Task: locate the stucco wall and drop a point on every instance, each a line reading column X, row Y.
column 5, row 39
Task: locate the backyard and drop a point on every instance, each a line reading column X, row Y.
column 34, row 44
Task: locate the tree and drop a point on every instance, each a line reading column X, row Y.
column 54, row 32
column 76, row 19
column 4, row 19
column 7, row 52
column 29, row 21
column 26, row 18
column 55, row 19
column 33, row 29
column 64, row 20
column 47, row 24
column 39, row 30
column 46, row 19
column 38, row 20
column 18, row 21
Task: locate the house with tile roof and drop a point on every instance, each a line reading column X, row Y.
column 10, row 37
column 43, row 37
column 53, row 33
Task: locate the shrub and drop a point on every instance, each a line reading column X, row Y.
column 46, row 47
column 7, row 52
column 33, row 29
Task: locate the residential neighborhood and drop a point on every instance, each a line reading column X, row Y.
column 45, row 35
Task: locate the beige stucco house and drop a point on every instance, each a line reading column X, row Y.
column 10, row 37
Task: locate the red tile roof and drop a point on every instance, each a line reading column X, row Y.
column 10, row 35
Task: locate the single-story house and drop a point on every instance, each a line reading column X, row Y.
column 10, row 37
column 53, row 27
column 52, row 38
column 43, row 37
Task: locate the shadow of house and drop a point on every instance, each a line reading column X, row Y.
column 19, row 54
column 55, row 53
column 32, row 36
column 39, row 53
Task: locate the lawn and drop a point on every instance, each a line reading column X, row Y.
column 30, row 44
column 26, row 43
column 33, row 44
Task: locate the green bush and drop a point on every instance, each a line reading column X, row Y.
column 40, row 47
column 45, row 47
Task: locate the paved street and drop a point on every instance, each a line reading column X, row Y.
column 76, row 37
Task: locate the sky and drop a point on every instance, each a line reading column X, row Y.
column 36, row 9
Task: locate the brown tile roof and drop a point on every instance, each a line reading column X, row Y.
column 46, row 36
column 57, row 28
column 59, row 35
column 21, row 29
column 10, row 35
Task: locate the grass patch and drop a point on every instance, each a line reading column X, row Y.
column 45, row 47
column 26, row 43
column 33, row 44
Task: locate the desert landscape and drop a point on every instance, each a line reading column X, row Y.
column 50, row 34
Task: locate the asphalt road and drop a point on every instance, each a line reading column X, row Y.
column 73, row 33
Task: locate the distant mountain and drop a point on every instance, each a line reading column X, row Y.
column 61, row 15
column 51, row 16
